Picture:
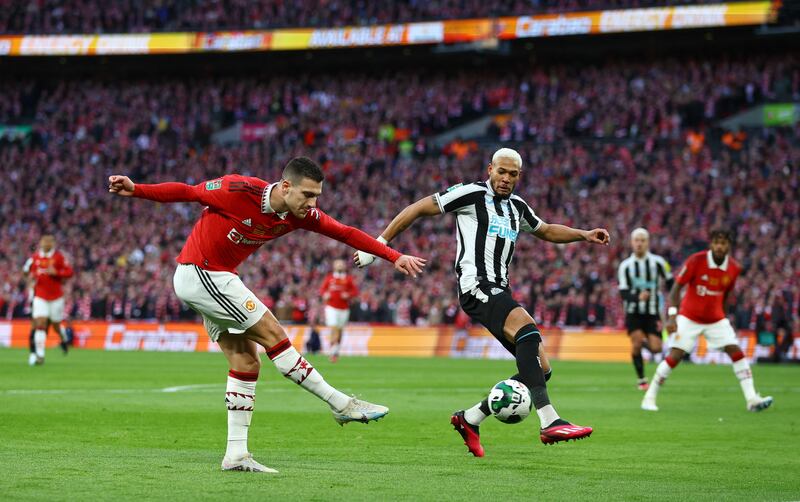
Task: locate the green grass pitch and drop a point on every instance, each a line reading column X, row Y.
column 98, row 425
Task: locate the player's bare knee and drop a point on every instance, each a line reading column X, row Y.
column 267, row 332
column 40, row 323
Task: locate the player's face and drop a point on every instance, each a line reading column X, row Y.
column 503, row 175
column 338, row 266
column 302, row 197
column 720, row 247
column 47, row 243
column 640, row 244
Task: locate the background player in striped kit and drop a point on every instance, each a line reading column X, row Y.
column 489, row 218
column 640, row 278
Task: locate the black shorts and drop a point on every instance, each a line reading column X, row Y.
column 645, row 322
column 491, row 310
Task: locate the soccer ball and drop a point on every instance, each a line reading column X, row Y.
column 510, row 401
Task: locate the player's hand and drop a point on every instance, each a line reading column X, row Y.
column 410, row 265
column 672, row 325
column 120, row 185
column 362, row 259
column 598, row 236
column 644, row 295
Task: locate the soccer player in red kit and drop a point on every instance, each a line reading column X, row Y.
column 710, row 276
column 47, row 269
column 337, row 291
column 242, row 213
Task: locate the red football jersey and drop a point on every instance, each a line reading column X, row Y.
column 341, row 289
column 48, row 286
column 708, row 284
column 238, row 220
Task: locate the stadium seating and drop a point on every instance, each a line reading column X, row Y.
column 587, row 134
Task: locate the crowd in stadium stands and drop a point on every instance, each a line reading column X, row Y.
column 602, row 146
column 134, row 16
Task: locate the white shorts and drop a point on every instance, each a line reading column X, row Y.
column 220, row 297
column 53, row 310
column 718, row 334
column 336, row 318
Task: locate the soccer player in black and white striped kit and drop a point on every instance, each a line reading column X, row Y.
column 641, row 277
column 489, row 218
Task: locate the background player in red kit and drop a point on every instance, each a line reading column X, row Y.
column 243, row 213
column 711, row 276
column 47, row 269
column 337, row 291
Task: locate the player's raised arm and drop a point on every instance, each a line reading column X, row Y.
column 319, row 222
column 451, row 200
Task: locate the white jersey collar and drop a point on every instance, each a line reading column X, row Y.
column 712, row 264
column 266, row 207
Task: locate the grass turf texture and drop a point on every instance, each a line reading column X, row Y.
column 97, row 425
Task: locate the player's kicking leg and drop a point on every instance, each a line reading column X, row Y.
column 521, row 332
column 467, row 422
column 270, row 334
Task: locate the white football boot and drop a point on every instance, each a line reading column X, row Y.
column 246, row 463
column 359, row 411
column 759, row 403
column 649, row 404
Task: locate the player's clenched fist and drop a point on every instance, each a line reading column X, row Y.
column 598, row 236
column 410, row 265
column 120, row 185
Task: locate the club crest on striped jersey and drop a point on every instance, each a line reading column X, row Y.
column 500, row 226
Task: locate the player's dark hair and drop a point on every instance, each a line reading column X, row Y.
column 303, row 167
column 721, row 233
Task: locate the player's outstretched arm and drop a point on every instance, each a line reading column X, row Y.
column 404, row 219
column 561, row 234
column 317, row 221
column 161, row 192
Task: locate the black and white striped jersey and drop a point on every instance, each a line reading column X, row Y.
column 651, row 272
column 487, row 227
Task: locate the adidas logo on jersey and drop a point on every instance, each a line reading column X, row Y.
column 248, row 222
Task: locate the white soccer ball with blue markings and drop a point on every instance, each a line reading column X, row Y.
column 510, row 401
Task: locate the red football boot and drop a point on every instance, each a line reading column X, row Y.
column 564, row 432
column 469, row 432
